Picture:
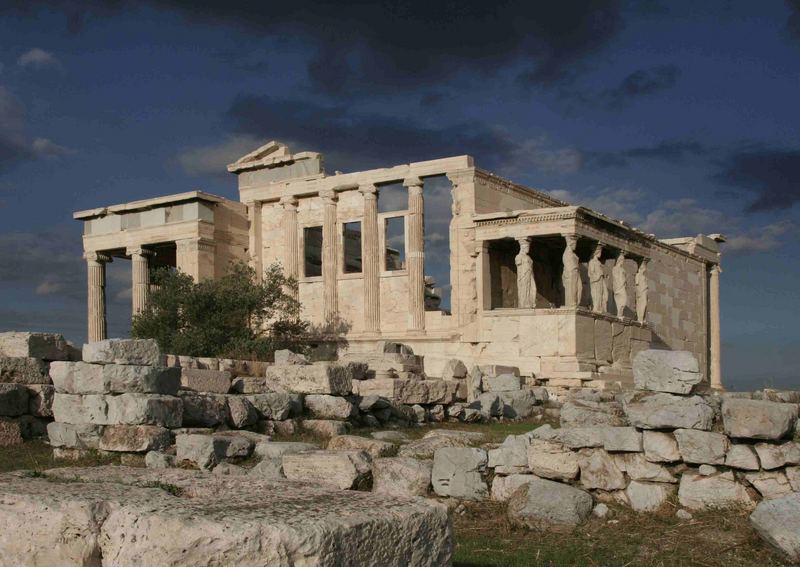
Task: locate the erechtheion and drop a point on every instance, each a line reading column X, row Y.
column 561, row 291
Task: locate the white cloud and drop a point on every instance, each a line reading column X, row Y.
column 539, row 154
column 761, row 239
column 43, row 147
column 684, row 217
column 213, row 159
column 48, row 287
column 37, row 58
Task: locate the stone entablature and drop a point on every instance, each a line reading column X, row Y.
column 514, row 254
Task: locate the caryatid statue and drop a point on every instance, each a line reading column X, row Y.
column 641, row 290
column 619, row 281
column 526, row 285
column 570, row 277
column 597, row 281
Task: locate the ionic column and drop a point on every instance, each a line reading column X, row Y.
column 416, row 255
column 329, row 257
column 714, row 319
column 140, row 275
column 371, row 260
column 291, row 261
column 256, row 238
column 96, row 301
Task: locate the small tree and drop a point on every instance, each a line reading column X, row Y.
column 235, row 316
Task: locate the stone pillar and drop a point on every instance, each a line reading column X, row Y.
column 195, row 257
column 570, row 275
column 714, row 319
column 256, row 239
column 330, row 270
column 371, row 260
column 526, row 284
column 96, row 272
column 291, row 259
column 140, row 278
column 416, row 255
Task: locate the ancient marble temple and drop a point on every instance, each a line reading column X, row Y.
column 561, row 291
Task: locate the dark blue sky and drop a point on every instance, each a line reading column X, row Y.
column 679, row 117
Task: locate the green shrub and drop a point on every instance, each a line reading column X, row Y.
column 235, row 316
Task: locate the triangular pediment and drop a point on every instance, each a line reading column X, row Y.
column 270, row 150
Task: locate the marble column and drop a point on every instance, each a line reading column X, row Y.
column 570, row 275
column 597, row 281
column 96, row 272
column 526, row 284
column 330, row 269
column 714, row 320
column 140, row 276
column 619, row 283
column 416, row 255
column 291, row 259
column 371, row 260
column 256, row 238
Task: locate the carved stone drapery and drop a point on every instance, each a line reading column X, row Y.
column 597, row 281
column 96, row 297
column 416, row 255
column 570, row 276
column 371, row 260
column 641, row 290
column 526, row 284
column 619, row 281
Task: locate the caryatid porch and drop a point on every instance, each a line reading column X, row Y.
column 583, row 294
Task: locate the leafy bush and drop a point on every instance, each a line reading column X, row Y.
column 235, row 316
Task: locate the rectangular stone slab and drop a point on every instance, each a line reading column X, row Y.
column 126, row 520
column 320, row 378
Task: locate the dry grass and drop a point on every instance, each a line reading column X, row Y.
column 38, row 456
column 484, row 537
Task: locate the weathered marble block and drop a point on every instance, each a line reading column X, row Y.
column 756, row 419
column 702, row 447
column 83, row 436
column 502, row 383
column 667, row 411
column 672, row 371
column 23, row 370
column 204, row 410
column 320, row 378
column 206, row 381
column 85, row 378
column 277, row 405
column 323, row 406
column 40, row 399
column 458, row 473
column 46, row 346
column 410, row 391
column 145, row 409
column 80, row 409
column 123, row 351
column 401, row 476
column 373, row 447
column 134, row 438
column 546, row 504
column 778, row 523
column 698, row 492
column 343, row 469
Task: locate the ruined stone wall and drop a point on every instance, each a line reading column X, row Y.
column 677, row 305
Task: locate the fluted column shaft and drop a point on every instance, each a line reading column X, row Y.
column 256, row 239
column 140, row 275
column 291, row 260
column 371, row 260
column 329, row 257
column 96, row 300
column 714, row 320
column 416, row 255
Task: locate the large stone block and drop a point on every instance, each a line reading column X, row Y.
column 672, row 371
column 277, row 449
column 342, row 469
column 756, row 419
column 600, row 470
column 145, row 409
column 47, row 346
column 742, row 457
column 13, row 399
column 85, row 378
column 325, row 427
column 668, row 411
column 23, row 370
column 373, row 447
column 83, row 436
column 648, row 497
column 548, row 459
column 501, row 383
column 545, row 504
column 40, row 399
column 204, row 410
column 330, row 407
column 319, row 378
column 639, row 468
column 241, row 411
column 770, row 484
column 134, row 438
column 778, row 523
column 80, row 409
column 504, row 486
column 401, row 476
column 660, row 447
column 277, row 406
column 120, row 513
column 702, row 447
column 458, row 473
column 511, row 457
column 588, row 413
column 203, row 451
column 698, row 492
column 520, row 404
column 206, row 381
column 454, row 369
column 426, row 448
column 123, row 351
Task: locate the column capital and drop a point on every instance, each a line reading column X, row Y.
column 413, row 182
column 328, row 196
column 289, row 203
column 138, row 251
column 97, row 257
column 715, row 269
column 369, row 190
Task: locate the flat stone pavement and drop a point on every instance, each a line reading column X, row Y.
column 129, row 516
